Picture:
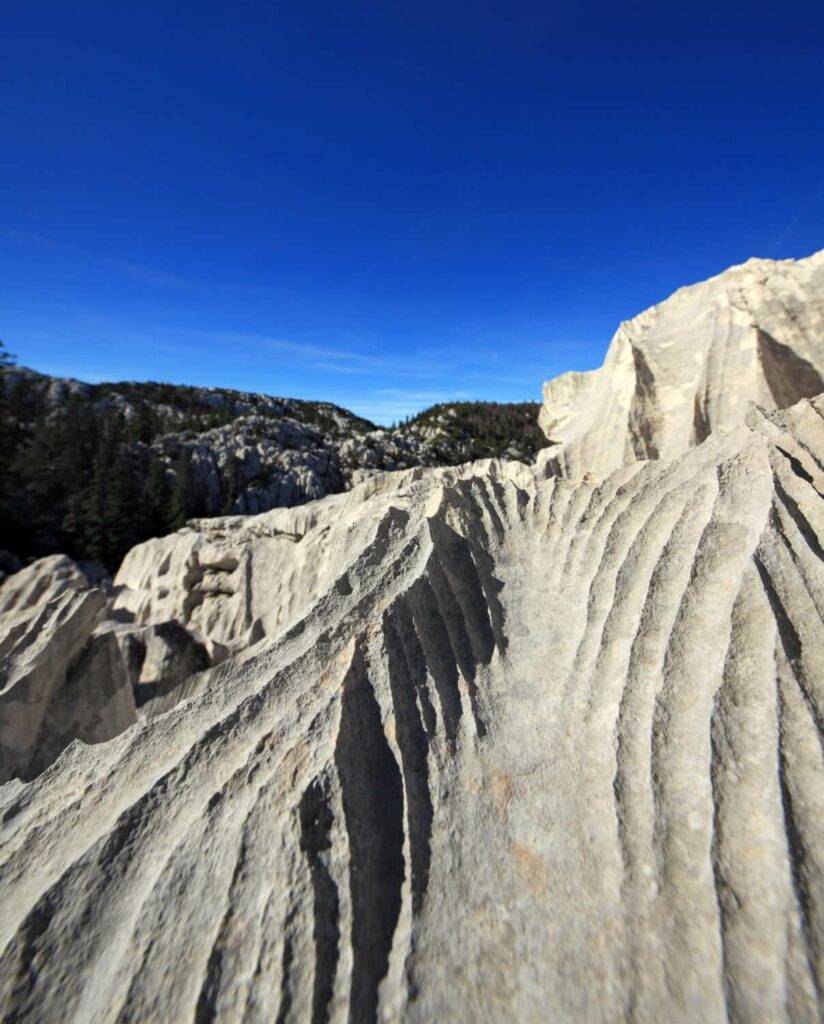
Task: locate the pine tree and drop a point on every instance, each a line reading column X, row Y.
column 182, row 501
column 156, row 498
column 231, row 485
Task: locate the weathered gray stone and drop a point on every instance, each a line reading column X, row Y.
column 692, row 365
column 541, row 750
column 57, row 683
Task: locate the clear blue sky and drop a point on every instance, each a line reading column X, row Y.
column 388, row 204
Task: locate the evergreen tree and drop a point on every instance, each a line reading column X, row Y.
column 182, row 503
column 231, row 485
column 156, row 496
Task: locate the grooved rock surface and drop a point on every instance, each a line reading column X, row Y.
column 690, row 366
column 235, row 580
column 539, row 750
column 57, row 681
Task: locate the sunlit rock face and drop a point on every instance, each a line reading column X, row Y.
column 58, row 680
column 690, row 366
column 526, row 748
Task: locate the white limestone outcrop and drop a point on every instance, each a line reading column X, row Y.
column 485, row 743
column 540, row 748
column 58, row 682
column 234, row 580
column 690, row 366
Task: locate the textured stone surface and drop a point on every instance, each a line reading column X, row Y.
column 158, row 657
column 690, row 366
column 57, row 682
column 67, row 672
column 536, row 749
column 232, row 581
column 39, row 583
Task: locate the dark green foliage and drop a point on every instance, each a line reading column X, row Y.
column 92, row 470
column 185, row 502
column 78, row 477
column 155, row 498
column 482, row 430
column 231, row 478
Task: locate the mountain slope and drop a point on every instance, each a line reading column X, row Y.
column 92, row 470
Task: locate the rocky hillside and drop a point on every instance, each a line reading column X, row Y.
column 92, row 470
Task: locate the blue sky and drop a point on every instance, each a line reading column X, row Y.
column 388, row 204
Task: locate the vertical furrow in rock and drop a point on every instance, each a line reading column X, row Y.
column 795, row 762
column 798, row 657
column 407, row 677
column 634, row 780
column 372, row 795
column 287, row 963
column 316, row 821
column 749, row 843
column 464, row 582
column 694, row 666
column 619, row 592
column 250, row 946
column 450, row 611
column 476, row 491
column 438, row 654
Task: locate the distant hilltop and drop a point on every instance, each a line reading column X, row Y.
column 93, row 469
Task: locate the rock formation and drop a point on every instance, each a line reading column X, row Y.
column 690, row 366
column 72, row 668
column 58, row 683
column 539, row 747
column 234, row 580
column 475, row 743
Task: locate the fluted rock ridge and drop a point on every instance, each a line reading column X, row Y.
column 536, row 748
column 690, row 366
column 58, row 680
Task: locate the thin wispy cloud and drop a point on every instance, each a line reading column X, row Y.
column 346, row 361
column 136, row 271
column 391, row 405
column 808, row 203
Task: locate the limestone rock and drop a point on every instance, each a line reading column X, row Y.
column 159, row 657
column 39, row 583
column 57, row 683
column 690, row 366
column 533, row 748
column 233, row 581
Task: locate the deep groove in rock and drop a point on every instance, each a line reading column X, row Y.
column 800, row 521
column 791, row 644
column 452, row 616
column 412, row 741
column 372, row 792
column 796, row 855
column 316, row 821
column 437, row 651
